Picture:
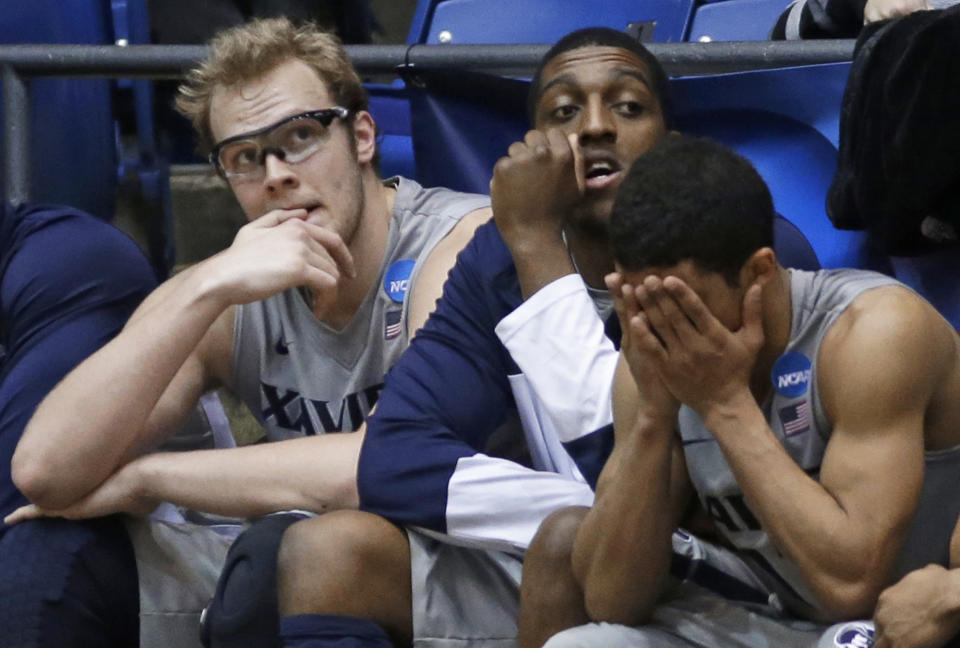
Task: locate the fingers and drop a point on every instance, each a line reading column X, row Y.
column 537, row 144
column 335, row 246
column 645, row 339
column 662, row 312
column 276, row 217
column 578, row 166
column 328, row 240
column 691, row 305
column 283, row 215
column 22, row 514
column 323, row 249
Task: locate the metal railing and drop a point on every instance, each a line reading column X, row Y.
column 20, row 63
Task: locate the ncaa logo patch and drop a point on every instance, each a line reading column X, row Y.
column 853, row 635
column 791, row 374
column 397, row 279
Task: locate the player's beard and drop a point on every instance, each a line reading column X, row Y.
column 354, row 208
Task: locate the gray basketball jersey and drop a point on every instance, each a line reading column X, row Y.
column 797, row 418
column 301, row 377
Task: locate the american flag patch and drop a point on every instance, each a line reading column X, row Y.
column 392, row 324
column 795, row 418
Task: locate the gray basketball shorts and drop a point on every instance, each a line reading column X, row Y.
column 693, row 616
column 699, row 618
column 463, row 597
column 178, row 565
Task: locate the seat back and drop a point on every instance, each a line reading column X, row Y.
column 735, row 20
column 542, row 21
column 786, row 123
column 73, row 159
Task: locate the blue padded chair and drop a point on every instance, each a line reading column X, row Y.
column 736, row 20
column 390, row 108
column 131, row 24
column 73, row 159
column 786, row 122
column 541, row 21
column 76, row 152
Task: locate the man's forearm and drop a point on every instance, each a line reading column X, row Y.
column 95, row 419
column 621, row 555
column 540, row 261
column 843, row 559
column 316, row 474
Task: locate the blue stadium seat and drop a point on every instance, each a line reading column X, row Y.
column 786, row 122
column 76, row 149
column 736, row 20
column 73, row 159
column 462, row 122
column 131, row 24
column 390, row 108
column 541, row 21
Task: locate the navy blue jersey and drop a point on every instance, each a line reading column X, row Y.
column 423, row 461
column 426, row 460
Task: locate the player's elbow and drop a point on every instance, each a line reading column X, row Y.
column 609, row 598
column 852, row 599
column 602, row 607
column 37, row 479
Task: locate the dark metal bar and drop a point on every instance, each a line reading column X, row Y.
column 16, row 149
column 171, row 61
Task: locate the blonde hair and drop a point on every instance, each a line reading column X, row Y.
column 246, row 52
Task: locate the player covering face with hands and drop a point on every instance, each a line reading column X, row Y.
column 779, row 401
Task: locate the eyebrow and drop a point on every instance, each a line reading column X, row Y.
column 570, row 79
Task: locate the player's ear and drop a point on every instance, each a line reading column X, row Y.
column 364, row 136
column 760, row 268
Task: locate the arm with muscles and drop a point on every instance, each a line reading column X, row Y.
column 137, row 389
column 621, row 556
column 316, row 474
column 531, row 192
column 844, row 531
column 923, row 609
column 422, row 462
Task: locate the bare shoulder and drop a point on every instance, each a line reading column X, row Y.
column 437, row 266
column 461, row 233
column 889, row 347
column 891, row 315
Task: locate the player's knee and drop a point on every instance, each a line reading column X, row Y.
column 555, row 538
column 317, row 544
column 327, row 563
column 244, row 607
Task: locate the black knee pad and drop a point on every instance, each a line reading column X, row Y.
column 243, row 612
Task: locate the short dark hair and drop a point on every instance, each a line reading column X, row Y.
column 602, row 37
column 691, row 198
